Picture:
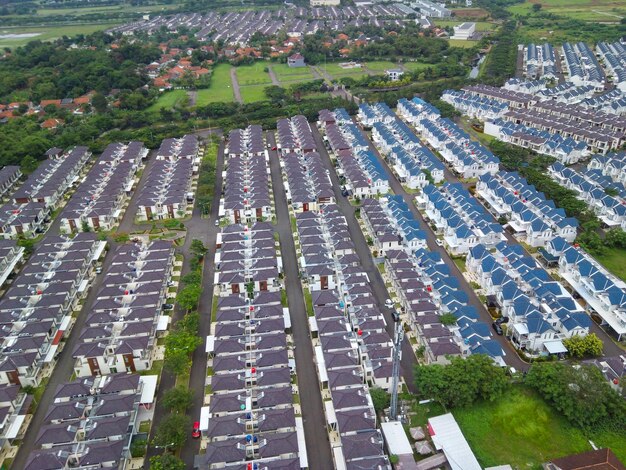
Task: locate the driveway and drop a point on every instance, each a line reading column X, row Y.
column 367, row 263
column 316, row 435
column 235, row 83
column 511, row 357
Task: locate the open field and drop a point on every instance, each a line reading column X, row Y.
column 168, row 100
column 415, row 66
column 221, row 89
column 480, row 25
column 462, row 43
column 585, row 10
column 254, row 74
column 105, row 10
column 522, row 430
column 379, row 66
column 284, row 73
column 614, row 259
column 335, row 71
column 252, row 93
column 470, row 13
column 47, row 33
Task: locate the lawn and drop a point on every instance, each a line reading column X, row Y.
column 461, row 43
column 380, row 65
column 284, row 73
column 47, row 33
column 614, row 259
column 254, row 74
column 104, row 10
column 168, row 100
column 221, row 87
column 253, row 93
column 522, row 430
column 335, row 71
column 415, row 66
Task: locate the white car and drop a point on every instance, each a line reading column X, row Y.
column 389, row 303
column 439, row 241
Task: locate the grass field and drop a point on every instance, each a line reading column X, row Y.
column 462, row 43
column 614, row 259
column 221, row 89
column 415, row 66
column 380, row 66
column 168, row 100
column 252, row 93
column 104, row 10
column 335, row 71
column 284, row 73
column 522, row 430
column 253, row 74
column 480, row 25
column 585, row 10
column 47, row 33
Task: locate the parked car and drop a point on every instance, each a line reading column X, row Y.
column 98, row 269
column 195, row 432
column 217, row 222
column 396, row 316
column 502, row 320
column 439, row 241
column 497, row 328
column 168, row 306
column 389, row 303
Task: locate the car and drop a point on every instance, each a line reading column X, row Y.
column 389, row 303
column 274, row 148
column 502, row 320
column 396, row 316
column 217, row 222
column 497, row 328
column 98, row 269
column 195, row 431
column 168, row 306
column 439, row 241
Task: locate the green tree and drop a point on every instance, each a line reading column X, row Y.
column 198, row 248
column 380, row 398
column 99, row 102
column 447, row 319
column 178, row 399
column 587, row 346
column 172, row 431
column 189, row 296
column 177, row 362
column 29, row 164
column 166, row 462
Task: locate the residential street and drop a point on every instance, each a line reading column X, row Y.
column 363, row 251
column 511, row 358
column 317, row 445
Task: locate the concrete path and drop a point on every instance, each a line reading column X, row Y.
column 367, row 263
column 235, row 84
column 193, row 96
column 317, row 445
column 273, row 76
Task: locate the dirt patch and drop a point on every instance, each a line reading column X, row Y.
column 470, row 13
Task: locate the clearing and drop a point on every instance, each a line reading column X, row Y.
column 584, row 10
column 168, row 100
column 221, row 89
column 284, row 73
column 253, row 93
column 254, row 74
column 522, row 430
column 614, row 260
column 20, row 36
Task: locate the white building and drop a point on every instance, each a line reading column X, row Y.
column 322, row 3
column 464, row 31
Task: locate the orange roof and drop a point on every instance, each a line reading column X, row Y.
column 52, row 123
column 342, row 37
column 45, row 103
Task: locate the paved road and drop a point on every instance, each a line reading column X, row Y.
column 275, row 80
column 235, row 84
column 316, row 436
column 205, row 230
column 197, row 228
column 511, row 358
column 362, row 249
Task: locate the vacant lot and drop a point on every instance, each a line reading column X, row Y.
column 254, row 74
column 585, row 10
column 522, row 430
column 335, row 71
column 379, row 66
column 462, row 43
column 284, row 73
column 46, row 33
column 168, row 100
column 415, row 66
column 105, row 10
column 614, row 259
column 253, row 93
column 470, row 13
column 221, row 89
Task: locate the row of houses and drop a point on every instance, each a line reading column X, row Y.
column 250, row 416
column 581, row 65
column 603, row 293
column 539, row 61
column 246, row 260
column 170, row 189
column 364, row 174
column 526, row 86
column 610, row 102
column 565, row 149
column 460, row 219
column 98, row 202
column 9, row 176
column 42, row 192
column 91, row 422
column 425, row 289
column 540, row 311
column 122, row 324
column 568, row 93
column 11, row 256
column 611, row 166
column 353, row 350
column 247, row 198
column 474, row 106
column 37, row 308
column 306, row 180
column 611, row 210
column 534, row 219
column 412, row 162
column 467, row 158
column 613, row 56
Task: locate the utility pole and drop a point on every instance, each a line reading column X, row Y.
column 395, row 374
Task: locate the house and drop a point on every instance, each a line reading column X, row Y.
column 52, row 123
column 296, row 60
column 394, row 74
